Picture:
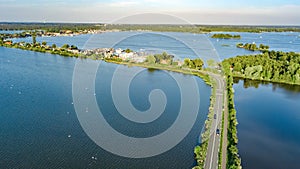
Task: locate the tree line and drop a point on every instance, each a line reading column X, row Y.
column 51, row 27
column 274, row 66
column 233, row 158
column 253, row 46
column 194, row 63
column 65, row 50
column 226, row 36
column 56, row 27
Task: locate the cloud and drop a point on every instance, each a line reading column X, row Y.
column 107, row 11
column 283, row 15
column 124, row 4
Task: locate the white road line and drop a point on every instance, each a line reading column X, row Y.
column 211, row 159
column 219, row 95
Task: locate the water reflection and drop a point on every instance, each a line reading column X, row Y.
column 268, row 130
column 247, row 83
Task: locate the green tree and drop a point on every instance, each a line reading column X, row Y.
column 65, row 46
column 73, row 47
column 33, row 38
column 237, row 67
column 151, row 59
column 198, row 63
column 53, row 46
column 128, row 50
column 44, row 43
column 165, row 55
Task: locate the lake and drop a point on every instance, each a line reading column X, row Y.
column 180, row 44
column 40, row 129
column 37, row 133
column 269, row 123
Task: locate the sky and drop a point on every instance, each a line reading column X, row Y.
column 221, row 12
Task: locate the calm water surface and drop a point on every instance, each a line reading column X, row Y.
column 176, row 43
column 269, row 123
column 36, row 133
column 40, row 129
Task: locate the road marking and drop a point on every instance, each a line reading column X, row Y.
column 218, row 110
column 211, row 159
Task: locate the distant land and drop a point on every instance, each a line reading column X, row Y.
column 151, row 27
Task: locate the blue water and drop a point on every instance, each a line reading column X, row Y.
column 10, row 31
column 269, row 123
column 180, row 44
column 285, row 41
column 40, row 129
column 36, row 133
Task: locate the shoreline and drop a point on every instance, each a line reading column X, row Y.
column 203, row 74
column 265, row 80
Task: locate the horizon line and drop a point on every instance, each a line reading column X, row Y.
column 104, row 23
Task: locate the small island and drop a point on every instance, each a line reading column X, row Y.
column 253, row 47
column 226, row 36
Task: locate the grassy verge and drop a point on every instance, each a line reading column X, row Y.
column 202, row 74
column 233, row 159
column 221, row 142
column 200, row 151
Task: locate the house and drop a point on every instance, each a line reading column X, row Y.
column 125, row 55
column 119, row 51
column 75, row 51
column 180, row 63
column 8, row 42
column 68, row 32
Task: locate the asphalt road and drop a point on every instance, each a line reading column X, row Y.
column 211, row 161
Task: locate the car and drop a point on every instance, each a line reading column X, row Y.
column 218, row 132
column 215, row 116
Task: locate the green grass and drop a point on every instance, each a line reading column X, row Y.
column 221, row 142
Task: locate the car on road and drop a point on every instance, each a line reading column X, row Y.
column 218, row 132
column 215, row 116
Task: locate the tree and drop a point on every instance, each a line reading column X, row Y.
column 34, row 37
column 164, row 55
column 65, row 46
column 44, row 43
column 73, row 47
column 187, row 62
column 158, row 57
column 53, row 46
column 198, row 63
column 237, row 67
column 194, row 64
column 151, row 59
column 128, row 50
